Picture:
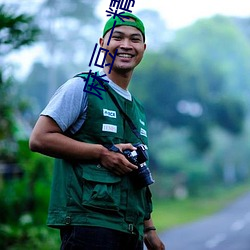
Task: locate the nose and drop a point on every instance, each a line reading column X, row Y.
column 126, row 44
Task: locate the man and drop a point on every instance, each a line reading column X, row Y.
column 95, row 202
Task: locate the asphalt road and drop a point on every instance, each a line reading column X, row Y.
column 227, row 230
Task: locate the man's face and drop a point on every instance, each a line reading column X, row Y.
column 130, row 48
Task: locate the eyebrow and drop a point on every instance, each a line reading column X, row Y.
column 122, row 33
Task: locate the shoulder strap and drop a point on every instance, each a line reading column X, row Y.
column 83, row 75
column 125, row 116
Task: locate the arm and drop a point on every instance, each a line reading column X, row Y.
column 47, row 138
column 151, row 239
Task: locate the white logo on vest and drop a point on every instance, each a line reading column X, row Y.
column 143, row 132
column 109, row 128
column 109, row 113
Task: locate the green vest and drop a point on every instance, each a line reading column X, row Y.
column 86, row 193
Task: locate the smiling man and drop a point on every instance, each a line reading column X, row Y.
column 95, row 198
column 128, row 38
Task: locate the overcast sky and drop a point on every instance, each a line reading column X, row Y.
column 177, row 14
column 180, row 13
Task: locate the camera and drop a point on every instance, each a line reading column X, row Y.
column 142, row 176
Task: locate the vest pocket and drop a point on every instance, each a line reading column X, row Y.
column 101, row 188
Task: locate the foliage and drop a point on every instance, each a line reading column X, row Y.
column 156, row 31
column 24, row 202
column 24, row 235
column 15, row 30
column 8, row 106
column 194, row 91
column 72, row 38
column 219, row 49
column 31, row 192
column 38, row 80
column 243, row 24
column 229, row 113
column 67, row 39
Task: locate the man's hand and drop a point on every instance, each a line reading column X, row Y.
column 116, row 162
column 152, row 241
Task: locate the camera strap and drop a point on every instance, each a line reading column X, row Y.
column 125, row 116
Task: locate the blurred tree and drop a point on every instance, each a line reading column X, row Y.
column 16, row 31
column 68, row 38
column 67, row 30
column 19, row 197
column 157, row 34
column 197, row 85
column 219, row 49
column 37, row 80
column 224, row 67
column 184, row 86
column 244, row 25
column 229, row 114
column 7, row 106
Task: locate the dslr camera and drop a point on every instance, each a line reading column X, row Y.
column 142, row 176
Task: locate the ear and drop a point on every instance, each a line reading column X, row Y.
column 101, row 42
column 145, row 46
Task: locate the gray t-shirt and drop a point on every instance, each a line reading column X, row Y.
column 68, row 106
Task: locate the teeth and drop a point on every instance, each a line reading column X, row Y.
column 125, row 55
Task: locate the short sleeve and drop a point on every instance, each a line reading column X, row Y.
column 68, row 105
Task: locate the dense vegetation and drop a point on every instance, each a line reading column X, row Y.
column 195, row 88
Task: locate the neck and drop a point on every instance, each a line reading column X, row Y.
column 121, row 79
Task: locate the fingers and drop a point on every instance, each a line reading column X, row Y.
column 120, row 165
column 124, row 146
column 117, row 163
column 119, row 170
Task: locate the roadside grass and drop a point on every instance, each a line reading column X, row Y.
column 170, row 213
column 167, row 214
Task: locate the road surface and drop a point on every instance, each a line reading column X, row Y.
column 227, row 230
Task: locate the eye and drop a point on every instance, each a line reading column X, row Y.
column 117, row 38
column 136, row 39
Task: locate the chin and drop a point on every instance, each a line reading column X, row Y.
column 124, row 68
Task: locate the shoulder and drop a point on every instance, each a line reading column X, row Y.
column 137, row 102
column 74, row 83
column 72, row 88
column 67, row 104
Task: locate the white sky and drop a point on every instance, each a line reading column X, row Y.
column 180, row 13
column 176, row 13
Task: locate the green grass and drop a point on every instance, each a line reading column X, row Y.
column 167, row 214
column 170, row 213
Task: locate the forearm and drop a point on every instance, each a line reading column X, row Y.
column 151, row 239
column 47, row 138
column 60, row 146
column 149, row 225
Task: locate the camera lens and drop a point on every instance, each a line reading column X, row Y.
column 144, row 177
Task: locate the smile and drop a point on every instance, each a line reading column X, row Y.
column 125, row 55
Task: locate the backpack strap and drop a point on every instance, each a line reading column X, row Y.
column 84, row 75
